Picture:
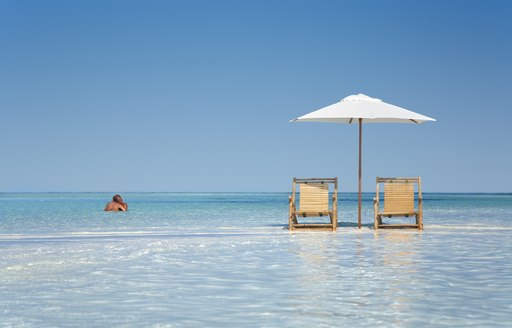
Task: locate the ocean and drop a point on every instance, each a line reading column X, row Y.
column 227, row 260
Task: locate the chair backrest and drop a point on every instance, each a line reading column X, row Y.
column 314, row 193
column 314, row 197
column 399, row 197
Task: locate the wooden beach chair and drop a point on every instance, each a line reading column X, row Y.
column 310, row 198
column 398, row 202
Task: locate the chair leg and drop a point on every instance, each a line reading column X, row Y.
column 335, row 220
column 291, row 221
column 419, row 221
column 292, row 217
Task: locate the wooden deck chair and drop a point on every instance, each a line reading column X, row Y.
column 398, row 202
column 310, row 198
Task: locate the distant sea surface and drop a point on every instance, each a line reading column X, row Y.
column 226, row 260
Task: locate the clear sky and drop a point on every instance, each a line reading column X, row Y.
column 197, row 95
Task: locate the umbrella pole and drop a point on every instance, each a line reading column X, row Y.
column 359, row 195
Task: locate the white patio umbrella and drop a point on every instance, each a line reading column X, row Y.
column 362, row 109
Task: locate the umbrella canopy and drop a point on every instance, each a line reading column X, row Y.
column 362, row 109
column 372, row 110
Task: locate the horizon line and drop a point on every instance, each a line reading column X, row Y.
column 234, row 192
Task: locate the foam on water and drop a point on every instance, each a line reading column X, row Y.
column 222, row 260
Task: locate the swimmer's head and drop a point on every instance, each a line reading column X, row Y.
column 117, row 199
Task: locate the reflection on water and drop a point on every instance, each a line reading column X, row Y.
column 400, row 252
column 399, row 265
column 242, row 269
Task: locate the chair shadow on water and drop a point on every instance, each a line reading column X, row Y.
column 340, row 225
column 354, row 225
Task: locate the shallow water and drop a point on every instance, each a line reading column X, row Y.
column 217, row 260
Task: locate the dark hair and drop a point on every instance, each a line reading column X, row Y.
column 117, row 198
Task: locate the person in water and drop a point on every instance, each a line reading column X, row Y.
column 117, row 204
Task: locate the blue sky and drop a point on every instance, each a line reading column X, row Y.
column 197, row 95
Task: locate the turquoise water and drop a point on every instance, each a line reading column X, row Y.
column 225, row 260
